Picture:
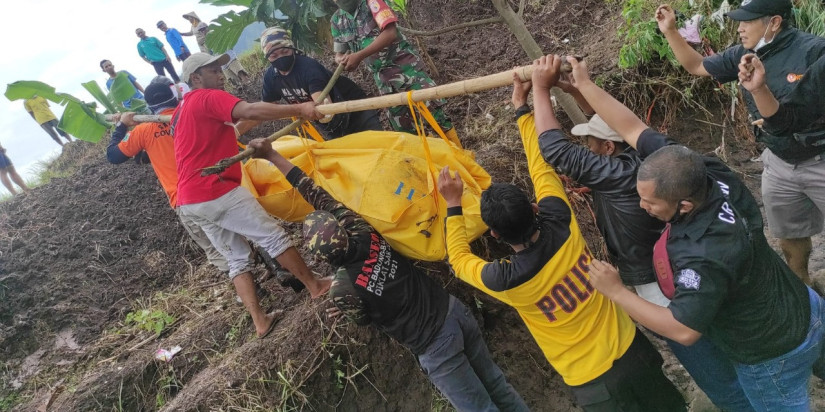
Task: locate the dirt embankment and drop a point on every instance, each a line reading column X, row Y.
column 80, row 253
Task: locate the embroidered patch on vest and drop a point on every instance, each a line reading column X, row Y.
column 793, row 77
column 689, row 279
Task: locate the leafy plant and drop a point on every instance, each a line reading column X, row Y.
column 306, row 20
column 150, row 320
column 79, row 118
column 810, row 16
column 400, row 6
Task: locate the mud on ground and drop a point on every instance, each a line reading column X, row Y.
column 80, row 253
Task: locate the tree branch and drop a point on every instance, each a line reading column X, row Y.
column 448, row 29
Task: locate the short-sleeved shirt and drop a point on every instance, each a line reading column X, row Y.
column 39, row 107
column 307, row 76
column 580, row 331
column 152, row 49
column 137, row 95
column 730, row 284
column 156, row 139
column 354, row 32
column 397, row 297
column 175, row 41
column 202, row 126
column 786, row 58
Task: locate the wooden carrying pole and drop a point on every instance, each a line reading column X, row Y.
column 478, row 84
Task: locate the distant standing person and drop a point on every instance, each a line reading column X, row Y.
column 38, row 108
column 109, row 69
column 175, row 42
column 367, row 29
column 199, row 30
column 151, row 50
column 6, row 171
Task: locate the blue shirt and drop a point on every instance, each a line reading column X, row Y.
column 137, row 95
column 176, row 42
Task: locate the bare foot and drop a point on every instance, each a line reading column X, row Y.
column 320, row 287
column 272, row 319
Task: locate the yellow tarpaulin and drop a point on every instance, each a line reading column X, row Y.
column 382, row 175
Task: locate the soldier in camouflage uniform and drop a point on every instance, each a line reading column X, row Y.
column 375, row 284
column 367, row 29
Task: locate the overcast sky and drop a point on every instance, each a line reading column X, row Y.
column 61, row 43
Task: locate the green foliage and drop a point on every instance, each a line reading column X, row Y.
column 8, row 402
column 306, row 20
column 644, row 43
column 79, row 119
column 150, row 320
column 810, row 16
column 400, row 6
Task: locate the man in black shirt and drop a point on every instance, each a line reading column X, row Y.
column 296, row 78
column 793, row 193
column 726, row 281
column 375, row 284
column 608, row 166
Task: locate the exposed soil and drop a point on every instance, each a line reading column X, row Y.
column 78, row 254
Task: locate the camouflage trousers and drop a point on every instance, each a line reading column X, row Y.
column 407, row 73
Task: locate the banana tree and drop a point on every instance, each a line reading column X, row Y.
column 306, row 20
column 81, row 119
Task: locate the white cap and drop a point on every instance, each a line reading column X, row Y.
column 198, row 60
column 597, row 128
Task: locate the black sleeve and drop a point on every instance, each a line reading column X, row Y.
column 701, row 287
column 602, row 173
column 113, row 153
column 315, row 77
column 724, row 66
column 651, row 141
column 270, row 92
column 804, row 105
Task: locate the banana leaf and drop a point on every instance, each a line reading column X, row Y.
column 94, row 89
column 83, row 122
column 26, row 89
column 122, row 88
column 225, row 30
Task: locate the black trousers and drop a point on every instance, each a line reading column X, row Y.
column 166, row 64
column 635, row 383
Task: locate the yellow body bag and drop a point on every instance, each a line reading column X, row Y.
column 387, row 177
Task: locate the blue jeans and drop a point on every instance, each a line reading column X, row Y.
column 460, row 366
column 781, row 383
column 713, row 372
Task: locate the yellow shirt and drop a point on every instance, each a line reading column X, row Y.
column 40, row 108
column 579, row 330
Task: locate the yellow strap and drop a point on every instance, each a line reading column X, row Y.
column 310, row 129
column 420, row 129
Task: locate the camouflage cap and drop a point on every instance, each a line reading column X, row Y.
column 325, row 238
column 275, row 38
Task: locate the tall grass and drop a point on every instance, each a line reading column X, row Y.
column 810, row 16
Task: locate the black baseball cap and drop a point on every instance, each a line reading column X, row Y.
column 754, row 9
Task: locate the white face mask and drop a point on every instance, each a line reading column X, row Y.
column 762, row 42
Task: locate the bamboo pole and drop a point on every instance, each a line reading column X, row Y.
column 146, row 118
column 246, row 153
column 459, row 88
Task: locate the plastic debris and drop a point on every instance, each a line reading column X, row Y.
column 167, row 355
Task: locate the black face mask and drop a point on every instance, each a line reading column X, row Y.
column 284, row 63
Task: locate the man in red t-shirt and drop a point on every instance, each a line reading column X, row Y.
column 228, row 213
column 155, row 140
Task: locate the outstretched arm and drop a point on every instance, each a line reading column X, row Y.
column 689, row 58
column 614, row 113
column 272, row 111
column 545, row 76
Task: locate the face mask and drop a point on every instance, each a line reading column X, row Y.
column 762, row 42
column 348, row 5
column 284, row 63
